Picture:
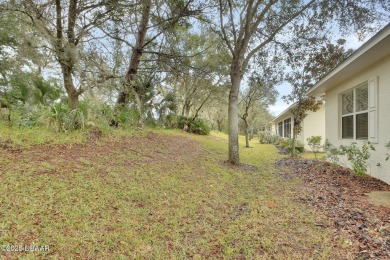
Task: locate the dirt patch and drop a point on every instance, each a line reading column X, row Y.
column 241, row 166
column 380, row 198
column 358, row 225
column 93, row 136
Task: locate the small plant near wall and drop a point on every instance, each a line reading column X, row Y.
column 267, row 138
column 314, row 142
column 388, row 149
column 332, row 153
column 287, row 145
column 357, row 156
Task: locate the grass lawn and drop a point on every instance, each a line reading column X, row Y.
column 153, row 194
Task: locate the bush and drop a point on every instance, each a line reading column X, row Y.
column 26, row 117
column 332, row 153
column 275, row 139
column 287, row 145
column 315, row 144
column 358, row 157
column 262, row 137
column 60, row 118
column 171, row 121
column 267, row 138
column 197, row 126
column 284, row 143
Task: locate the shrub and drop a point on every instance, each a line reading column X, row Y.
column 332, row 153
column 275, row 139
column 299, row 147
column 54, row 117
column 284, row 143
column 171, row 120
column 287, row 145
column 26, row 117
column 262, row 137
column 197, row 126
column 60, row 118
column 314, row 143
column 356, row 155
column 267, row 138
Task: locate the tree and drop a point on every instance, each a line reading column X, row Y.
column 150, row 29
column 64, row 26
column 22, row 61
column 246, row 27
column 308, row 68
column 301, row 107
column 258, row 94
column 259, row 120
column 201, row 75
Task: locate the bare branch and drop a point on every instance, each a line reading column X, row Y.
column 277, row 30
column 224, row 35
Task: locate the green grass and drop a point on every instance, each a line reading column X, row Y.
column 27, row 137
column 311, row 155
column 154, row 195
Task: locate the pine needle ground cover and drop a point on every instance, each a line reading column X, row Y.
column 153, row 194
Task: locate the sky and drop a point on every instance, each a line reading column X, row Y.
column 352, row 42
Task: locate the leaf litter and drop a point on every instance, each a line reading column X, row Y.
column 360, row 227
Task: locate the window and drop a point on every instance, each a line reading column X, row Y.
column 280, row 129
column 287, row 127
column 354, row 113
column 284, row 128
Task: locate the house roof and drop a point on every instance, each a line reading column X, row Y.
column 283, row 114
column 370, row 52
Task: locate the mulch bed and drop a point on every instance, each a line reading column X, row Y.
column 341, row 195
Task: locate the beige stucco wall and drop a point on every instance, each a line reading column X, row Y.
column 314, row 125
column 273, row 129
column 378, row 167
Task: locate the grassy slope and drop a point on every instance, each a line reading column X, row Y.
column 159, row 195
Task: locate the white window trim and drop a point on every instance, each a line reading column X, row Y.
column 283, row 134
column 372, row 111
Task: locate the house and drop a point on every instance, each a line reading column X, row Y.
column 312, row 125
column 357, row 96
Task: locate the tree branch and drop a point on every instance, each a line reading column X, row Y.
column 224, row 35
column 278, row 29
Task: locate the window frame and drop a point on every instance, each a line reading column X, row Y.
column 354, row 113
column 287, row 124
column 280, row 127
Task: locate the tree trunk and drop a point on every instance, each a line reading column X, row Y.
column 186, row 108
column 73, row 94
column 246, row 140
column 219, row 125
column 293, row 154
column 201, row 105
column 135, row 59
column 234, row 157
column 244, row 118
column 246, row 136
